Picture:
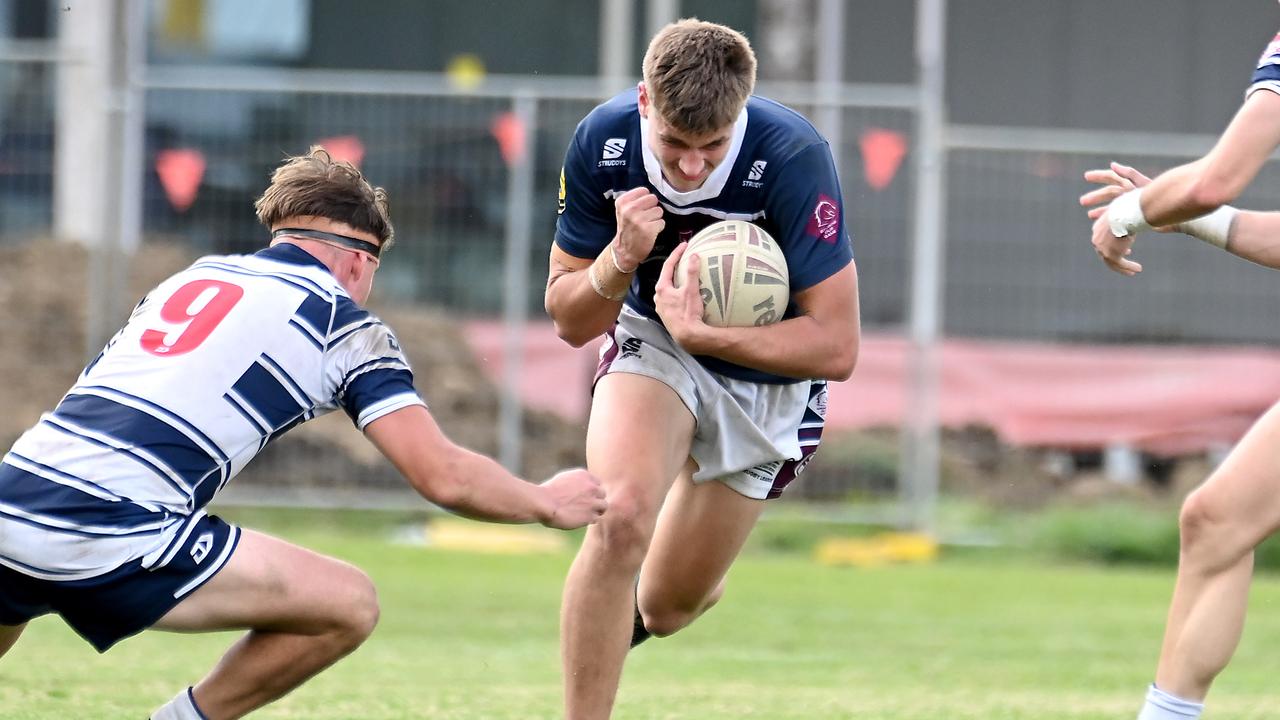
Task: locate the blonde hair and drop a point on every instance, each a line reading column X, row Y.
column 317, row 185
column 699, row 74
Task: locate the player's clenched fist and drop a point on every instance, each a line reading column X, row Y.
column 639, row 221
column 577, row 499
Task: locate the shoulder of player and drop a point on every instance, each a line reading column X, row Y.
column 315, row 279
column 350, row 320
column 618, row 115
column 606, row 144
column 348, row 316
column 777, row 133
column 770, row 115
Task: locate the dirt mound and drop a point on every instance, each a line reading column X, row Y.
column 43, row 293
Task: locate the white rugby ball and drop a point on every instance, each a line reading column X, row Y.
column 743, row 278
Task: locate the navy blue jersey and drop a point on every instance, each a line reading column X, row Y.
column 778, row 173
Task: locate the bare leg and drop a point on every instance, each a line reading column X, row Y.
column 1221, row 523
column 701, row 530
column 637, row 441
column 304, row 611
column 9, row 635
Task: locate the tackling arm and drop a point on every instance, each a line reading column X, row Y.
column 473, row 485
column 1199, row 187
column 1255, row 236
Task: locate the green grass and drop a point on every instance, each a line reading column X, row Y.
column 472, row 636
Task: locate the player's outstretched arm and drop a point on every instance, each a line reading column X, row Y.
column 1191, row 191
column 1218, row 178
column 1254, row 236
column 476, row 486
column 820, row 343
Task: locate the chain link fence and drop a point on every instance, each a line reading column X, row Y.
column 27, row 75
column 1018, row 264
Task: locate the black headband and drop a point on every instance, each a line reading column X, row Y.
column 344, row 240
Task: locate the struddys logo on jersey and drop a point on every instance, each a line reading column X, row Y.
column 1271, row 56
column 611, row 155
column 756, row 175
column 824, row 221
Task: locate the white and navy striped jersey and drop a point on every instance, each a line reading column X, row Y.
column 1267, row 75
column 213, row 364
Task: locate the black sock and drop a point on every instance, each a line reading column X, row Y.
column 638, row 631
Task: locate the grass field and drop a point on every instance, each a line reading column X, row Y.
column 473, row 636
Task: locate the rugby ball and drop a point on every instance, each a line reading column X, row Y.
column 743, row 278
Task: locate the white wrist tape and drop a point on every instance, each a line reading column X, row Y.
column 598, row 285
column 1125, row 214
column 1214, row 228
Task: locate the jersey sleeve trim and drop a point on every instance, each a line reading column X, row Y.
column 388, row 406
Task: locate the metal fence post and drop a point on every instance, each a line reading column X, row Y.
column 920, row 445
column 829, row 75
column 515, row 310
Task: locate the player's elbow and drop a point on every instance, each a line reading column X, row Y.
column 570, row 332
column 842, row 360
column 443, row 482
column 574, row 336
column 842, row 365
column 447, row 491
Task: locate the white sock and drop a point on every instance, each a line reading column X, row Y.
column 1161, row 705
column 181, row 707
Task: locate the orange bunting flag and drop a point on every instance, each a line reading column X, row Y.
column 344, row 148
column 180, row 170
column 882, row 153
column 509, row 132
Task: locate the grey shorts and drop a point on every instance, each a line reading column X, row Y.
column 754, row 437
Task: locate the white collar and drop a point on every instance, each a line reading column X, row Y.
column 714, row 183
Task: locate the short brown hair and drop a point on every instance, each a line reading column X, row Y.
column 317, row 185
column 699, row 74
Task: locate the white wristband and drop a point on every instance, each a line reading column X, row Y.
column 1125, row 214
column 1214, row 228
column 614, row 257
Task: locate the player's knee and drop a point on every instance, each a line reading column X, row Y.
column 1209, row 536
column 628, row 526
column 1198, row 519
column 357, row 615
column 664, row 621
column 367, row 609
column 666, row 616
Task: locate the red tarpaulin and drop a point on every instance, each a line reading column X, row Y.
column 1163, row 399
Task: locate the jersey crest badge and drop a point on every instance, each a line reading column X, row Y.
column 824, row 221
